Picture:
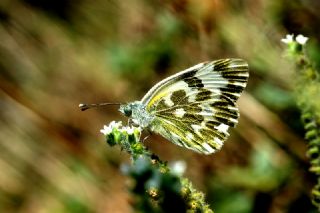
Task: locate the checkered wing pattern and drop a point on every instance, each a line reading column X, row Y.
column 195, row 107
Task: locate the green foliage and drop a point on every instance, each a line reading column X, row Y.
column 228, row 199
column 308, row 96
column 273, row 97
column 74, row 205
column 156, row 188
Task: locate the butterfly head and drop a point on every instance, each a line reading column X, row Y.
column 126, row 109
column 137, row 112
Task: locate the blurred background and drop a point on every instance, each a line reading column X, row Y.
column 56, row 54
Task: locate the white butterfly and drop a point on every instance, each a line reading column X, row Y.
column 195, row 107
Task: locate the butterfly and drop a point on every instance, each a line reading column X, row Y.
column 193, row 108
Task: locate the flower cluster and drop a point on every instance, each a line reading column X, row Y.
column 118, row 126
column 300, row 39
column 128, row 137
column 295, row 44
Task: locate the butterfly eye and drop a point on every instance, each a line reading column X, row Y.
column 127, row 111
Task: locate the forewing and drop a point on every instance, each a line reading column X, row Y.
column 195, row 107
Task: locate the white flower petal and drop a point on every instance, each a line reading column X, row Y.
column 288, row 39
column 131, row 129
column 128, row 130
column 114, row 124
column 301, row 39
column 106, row 130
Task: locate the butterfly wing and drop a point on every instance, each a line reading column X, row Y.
column 195, row 107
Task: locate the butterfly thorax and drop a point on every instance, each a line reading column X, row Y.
column 138, row 113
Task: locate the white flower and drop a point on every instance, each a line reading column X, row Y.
column 301, row 39
column 131, row 130
column 108, row 129
column 116, row 125
column 178, row 167
column 128, row 130
column 288, row 39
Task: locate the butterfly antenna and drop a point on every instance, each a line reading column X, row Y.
column 84, row 107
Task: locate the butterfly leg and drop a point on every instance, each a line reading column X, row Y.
column 146, row 137
column 130, row 122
